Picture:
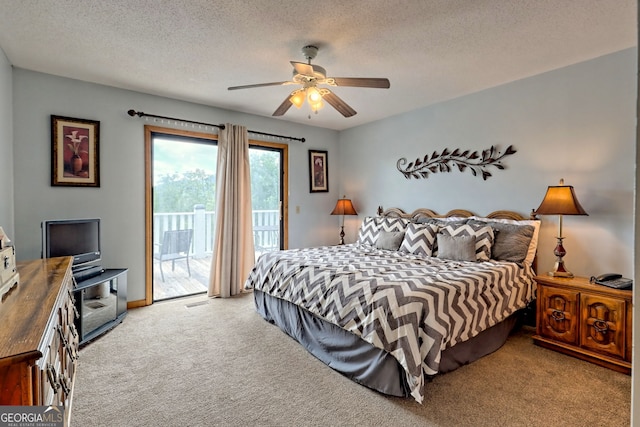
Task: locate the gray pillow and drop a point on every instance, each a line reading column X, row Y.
column 511, row 242
column 389, row 240
column 483, row 234
column 372, row 226
column 457, row 248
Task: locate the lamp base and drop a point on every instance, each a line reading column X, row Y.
column 560, row 274
column 341, row 235
column 558, row 269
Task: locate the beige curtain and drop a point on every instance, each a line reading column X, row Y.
column 233, row 252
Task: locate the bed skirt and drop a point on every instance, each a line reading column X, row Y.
column 359, row 360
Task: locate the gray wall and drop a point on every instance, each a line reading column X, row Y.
column 120, row 199
column 576, row 123
column 6, row 146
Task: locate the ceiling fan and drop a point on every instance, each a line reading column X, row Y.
column 309, row 76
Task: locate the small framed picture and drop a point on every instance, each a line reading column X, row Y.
column 318, row 172
column 75, row 152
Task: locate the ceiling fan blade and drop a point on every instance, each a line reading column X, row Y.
column 258, row 85
column 337, row 103
column 362, row 82
column 283, row 108
column 302, row 68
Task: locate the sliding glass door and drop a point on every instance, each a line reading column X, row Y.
column 181, row 172
column 266, row 197
column 184, row 171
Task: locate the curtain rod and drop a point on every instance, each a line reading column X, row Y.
column 141, row 114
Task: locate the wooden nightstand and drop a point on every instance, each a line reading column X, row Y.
column 588, row 321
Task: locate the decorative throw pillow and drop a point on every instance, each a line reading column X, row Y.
column 368, row 232
column 420, row 239
column 482, row 233
column 511, row 241
column 393, row 223
column 458, row 248
column 389, row 240
column 372, row 226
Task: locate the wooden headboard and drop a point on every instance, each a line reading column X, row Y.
column 428, row 213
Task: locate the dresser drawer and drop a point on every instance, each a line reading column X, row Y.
column 7, row 264
column 50, row 369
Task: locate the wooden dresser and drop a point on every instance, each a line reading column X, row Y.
column 588, row 321
column 38, row 338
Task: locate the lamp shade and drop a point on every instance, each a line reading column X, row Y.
column 560, row 200
column 344, row 207
column 297, row 98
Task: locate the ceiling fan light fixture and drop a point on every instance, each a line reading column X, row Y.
column 313, row 96
column 297, row 98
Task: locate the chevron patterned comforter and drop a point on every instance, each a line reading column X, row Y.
column 411, row 306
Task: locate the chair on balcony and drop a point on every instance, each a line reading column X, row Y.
column 265, row 238
column 176, row 245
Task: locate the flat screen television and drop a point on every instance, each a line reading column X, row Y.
column 79, row 238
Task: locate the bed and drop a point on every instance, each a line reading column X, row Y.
column 418, row 294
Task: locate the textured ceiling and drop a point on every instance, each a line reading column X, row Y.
column 431, row 50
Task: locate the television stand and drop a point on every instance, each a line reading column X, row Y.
column 101, row 302
column 85, row 273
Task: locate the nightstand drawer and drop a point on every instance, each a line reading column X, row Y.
column 603, row 321
column 558, row 314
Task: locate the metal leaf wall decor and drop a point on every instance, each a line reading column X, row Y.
column 475, row 161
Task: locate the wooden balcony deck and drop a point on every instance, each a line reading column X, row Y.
column 177, row 283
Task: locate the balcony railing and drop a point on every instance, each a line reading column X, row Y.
column 266, row 229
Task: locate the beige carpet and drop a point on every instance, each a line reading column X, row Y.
column 220, row 364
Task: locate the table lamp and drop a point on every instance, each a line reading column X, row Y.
column 343, row 207
column 560, row 200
